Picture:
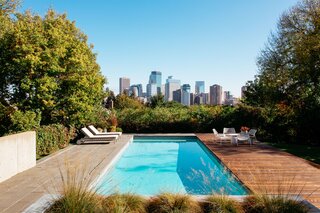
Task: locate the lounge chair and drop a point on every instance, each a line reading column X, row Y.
column 96, row 132
column 220, row 137
column 89, row 137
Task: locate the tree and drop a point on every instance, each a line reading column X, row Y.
column 46, row 64
column 8, row 6
column 123, row 101
column 289, row 68
column 157, row 100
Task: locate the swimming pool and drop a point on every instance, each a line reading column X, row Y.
column 151, row 165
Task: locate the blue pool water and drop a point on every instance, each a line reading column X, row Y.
column 151, row 165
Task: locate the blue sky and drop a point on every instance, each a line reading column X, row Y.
column 217, row 41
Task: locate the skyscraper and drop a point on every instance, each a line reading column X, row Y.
column 216, row 95
column 199, row 88
column 185, row 94
column 152, row 90
column 156, row 78
column 228, row 98
column 171, row 85
column 136, row 89
column 192, row 96
column 176, row 95
column 124, row 84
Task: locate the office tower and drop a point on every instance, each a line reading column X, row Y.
column 192, row 96
column 199, row 88
column 152, row 90
column 133, row 91
column 216, row 95
column 243, row 91
column 206, row 98
column 176, row 95
column 171, row 85
column 163, row 89
column 228, row 98
column 156, row 78
column 202, row 98
column 124, row 84
column 136, row 89
column 185, row 94
column 198, row 100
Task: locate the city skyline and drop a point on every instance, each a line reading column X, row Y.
column 174, row 90
column 218, row 41
column 193, row 86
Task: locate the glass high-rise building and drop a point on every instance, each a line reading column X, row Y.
column 136, row 89
column 156, row 78
column 185, row 94
column 152, row 90
column 171, row 85
column 199, row 88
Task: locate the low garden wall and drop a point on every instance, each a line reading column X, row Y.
column 17, row 154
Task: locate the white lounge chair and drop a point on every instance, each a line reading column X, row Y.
column 96, row 132
column 220, row 137
column 89, row 137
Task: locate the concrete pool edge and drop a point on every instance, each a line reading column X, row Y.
column 110, row 164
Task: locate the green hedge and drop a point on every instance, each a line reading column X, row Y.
column 52, row 138
column 276, row 124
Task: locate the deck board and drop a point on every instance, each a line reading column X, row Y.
column 263, row 168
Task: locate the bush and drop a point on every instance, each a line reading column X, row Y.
column 52, row 138
column 25, row 121
column 124, row 203
column 221, row 204
column 167, row 203
column 274, row 204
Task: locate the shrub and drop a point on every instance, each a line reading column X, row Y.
column 123, row 203
column 221, row 204
column 274, row 204
column 52, row 138
column 167, row 203
column 24, row 121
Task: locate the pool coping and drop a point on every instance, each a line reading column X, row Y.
column 110, row 164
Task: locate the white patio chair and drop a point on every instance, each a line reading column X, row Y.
column 243, row 137
column 220, row 137
column 229, row 131
column 252, row 134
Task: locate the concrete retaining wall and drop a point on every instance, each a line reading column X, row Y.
column 17, row 154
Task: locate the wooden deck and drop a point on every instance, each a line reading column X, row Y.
column 265, row 169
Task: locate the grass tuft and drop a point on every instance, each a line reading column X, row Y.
column 123, row 203
column 76, row 195
column 274, row 204
column 173, row 203
column 221, row 204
